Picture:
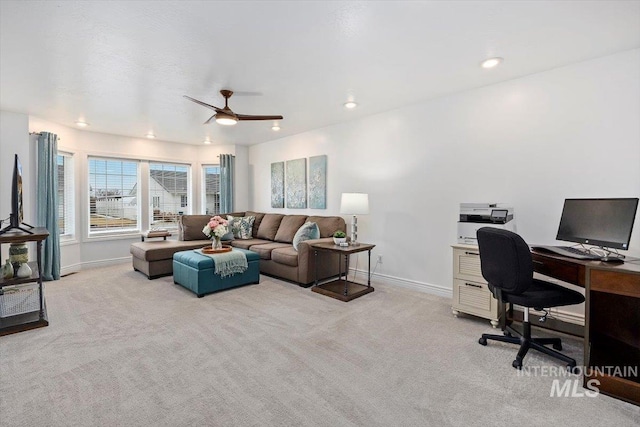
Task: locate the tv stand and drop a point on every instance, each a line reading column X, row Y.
column 37, row 317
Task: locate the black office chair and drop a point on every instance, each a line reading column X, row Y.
column 506, row 264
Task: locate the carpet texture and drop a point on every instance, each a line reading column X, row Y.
column 127, row 351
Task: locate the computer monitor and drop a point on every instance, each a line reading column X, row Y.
column 599, row 222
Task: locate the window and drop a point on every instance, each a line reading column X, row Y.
column 66, row 205
column 168, row 185
column 211, row 185
column 113, row 195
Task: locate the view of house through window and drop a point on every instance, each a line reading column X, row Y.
column 113, row 195
column 211, row 184
column 66, row 206
column 168, row 189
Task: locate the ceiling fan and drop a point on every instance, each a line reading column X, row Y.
column 225, row 116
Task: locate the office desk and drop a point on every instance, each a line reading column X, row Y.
column 612, row 319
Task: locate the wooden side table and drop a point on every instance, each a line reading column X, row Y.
column 343, row 289
column 38, row 317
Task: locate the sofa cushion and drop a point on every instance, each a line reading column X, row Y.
column 286, row 256
column 256, row 222
column 328, row 224
column 241, row 226
column 265, row 249
column 246, row 244
column 289, row 225
column 190, row 227
column 308, row 231
column 269, row 226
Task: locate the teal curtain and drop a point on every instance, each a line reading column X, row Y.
column 47, row 203
column 227, row 172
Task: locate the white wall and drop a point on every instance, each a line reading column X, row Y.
column 530, row 142
column 83, row 251
column 14, row 139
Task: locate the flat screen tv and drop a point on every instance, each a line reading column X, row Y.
column 599, row 222
column 17, row 210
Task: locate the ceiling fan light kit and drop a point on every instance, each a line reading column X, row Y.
column 225, row 119
column 225, row 116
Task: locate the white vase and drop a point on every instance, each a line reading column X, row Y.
column 24, row 271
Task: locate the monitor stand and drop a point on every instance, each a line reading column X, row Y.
column 612, row 259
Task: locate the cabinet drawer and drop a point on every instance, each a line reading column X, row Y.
column 474, row 298
column 466, row 265
column 569, row 272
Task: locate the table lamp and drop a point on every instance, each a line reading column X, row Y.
column 354, row 204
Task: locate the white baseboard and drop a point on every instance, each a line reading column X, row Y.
column 74, row 268
column 429, row 288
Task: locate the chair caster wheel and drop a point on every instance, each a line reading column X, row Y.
column 573, row 369
column 557, row 347
column 517, row 364
column 482, row 341
column 507, row 334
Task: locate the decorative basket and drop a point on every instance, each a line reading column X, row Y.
column 19, row 299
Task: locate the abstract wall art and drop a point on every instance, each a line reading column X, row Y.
column 296, row 184
column 277, row 185
column 318, row 182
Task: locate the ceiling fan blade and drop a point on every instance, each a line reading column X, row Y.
column 250, row 117
column 246, row 93
column 202, row 103
column 210, row 119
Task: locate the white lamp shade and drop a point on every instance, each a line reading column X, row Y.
column 354, row 203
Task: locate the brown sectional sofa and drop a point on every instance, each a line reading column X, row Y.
column 272, row 237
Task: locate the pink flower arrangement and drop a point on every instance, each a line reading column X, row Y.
column 216, row 227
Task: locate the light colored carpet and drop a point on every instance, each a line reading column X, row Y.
column 124, row 350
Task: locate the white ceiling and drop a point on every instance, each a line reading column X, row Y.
column 124, row 66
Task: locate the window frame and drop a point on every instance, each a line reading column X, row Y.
column 114, row 231
column 203, row 201
column 180, row 209
column 68, row 213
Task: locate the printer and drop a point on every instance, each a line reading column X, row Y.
column 477, row 215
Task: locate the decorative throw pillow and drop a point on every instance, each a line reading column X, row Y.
column 241, row 226
column 308, row 231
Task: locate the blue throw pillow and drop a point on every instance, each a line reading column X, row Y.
column 308, row 231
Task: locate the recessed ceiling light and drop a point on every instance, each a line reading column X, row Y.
column 82, row 123
column 275, row 127
column 206, row 141
column 150, row 135
column 350, row 105
column 491, row 62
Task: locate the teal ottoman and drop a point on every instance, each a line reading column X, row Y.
column 196, row 272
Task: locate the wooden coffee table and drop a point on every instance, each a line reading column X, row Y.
column 343, row 289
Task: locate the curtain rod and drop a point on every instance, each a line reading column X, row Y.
column 40, row 133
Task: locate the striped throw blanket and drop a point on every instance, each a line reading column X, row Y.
column 228, row 263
